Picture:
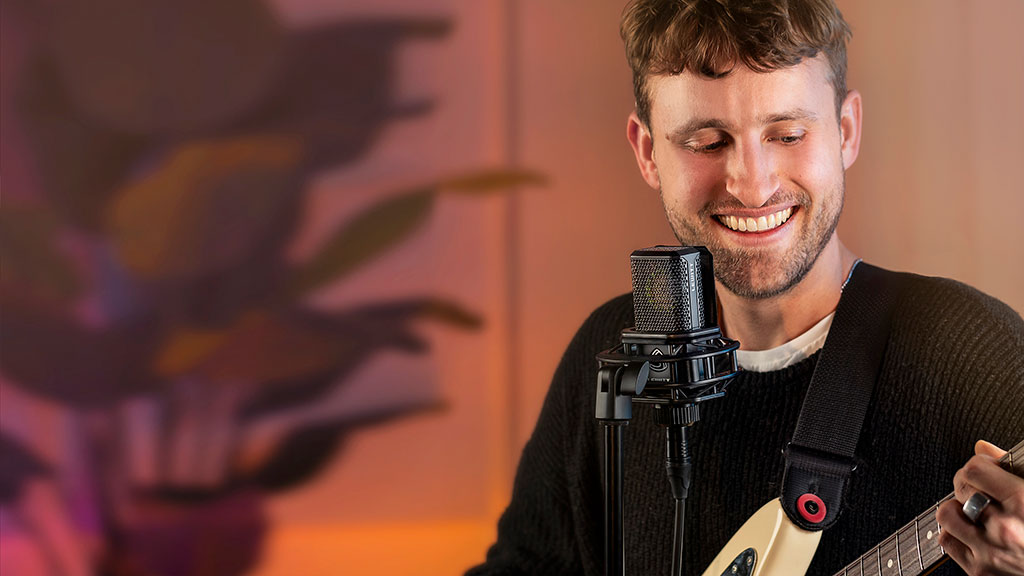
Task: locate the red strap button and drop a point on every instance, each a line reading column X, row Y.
column 811, row 507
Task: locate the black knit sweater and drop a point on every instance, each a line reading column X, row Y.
column 953, row 373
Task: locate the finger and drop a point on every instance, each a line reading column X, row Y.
column 985, row 448
column 957, row 550
column 952, row 522
column 984, row 473
column 962, row 487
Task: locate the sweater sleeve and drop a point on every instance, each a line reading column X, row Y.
column 540, row 531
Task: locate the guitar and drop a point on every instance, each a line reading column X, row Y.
column 769, row 544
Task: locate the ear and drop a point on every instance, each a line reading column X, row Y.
column 642, row 141
column 849, row 128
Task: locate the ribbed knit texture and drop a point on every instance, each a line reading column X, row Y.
column 953, row 373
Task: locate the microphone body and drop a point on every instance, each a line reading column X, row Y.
column 676, row 317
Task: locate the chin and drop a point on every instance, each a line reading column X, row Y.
column 760, row 281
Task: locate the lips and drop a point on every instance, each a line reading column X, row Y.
column 759, row 224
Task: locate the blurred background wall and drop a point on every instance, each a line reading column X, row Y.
column 284, row 283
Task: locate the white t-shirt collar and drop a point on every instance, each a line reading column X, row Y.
column 788, row 353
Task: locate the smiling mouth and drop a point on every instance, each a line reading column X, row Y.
column 761, row 224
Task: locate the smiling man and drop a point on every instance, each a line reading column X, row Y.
column 745, row 126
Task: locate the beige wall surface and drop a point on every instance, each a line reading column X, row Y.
column 938, row 186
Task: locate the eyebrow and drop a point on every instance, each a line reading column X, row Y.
column 684, row 132
column 788, row 116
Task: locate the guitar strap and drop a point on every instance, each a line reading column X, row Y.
column 820, row 458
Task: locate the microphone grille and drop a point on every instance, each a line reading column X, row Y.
column 668, row 294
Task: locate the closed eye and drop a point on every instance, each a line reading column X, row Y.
column 708, row 148
column 788, row 137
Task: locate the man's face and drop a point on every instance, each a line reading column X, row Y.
column 752, row 166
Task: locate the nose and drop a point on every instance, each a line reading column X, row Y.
column 751, row 174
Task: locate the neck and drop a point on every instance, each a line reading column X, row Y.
column 764, row 323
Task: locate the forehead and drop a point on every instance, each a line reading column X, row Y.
column 743, row 96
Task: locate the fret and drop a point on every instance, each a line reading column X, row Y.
column 899, row 561
column 1013, row 459
column 888, row 558
column 928, row 536
column 854, row 569
column 906, row 539
column 869, row 563
column 917, row 541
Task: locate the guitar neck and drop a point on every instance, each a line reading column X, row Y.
column 914, row 549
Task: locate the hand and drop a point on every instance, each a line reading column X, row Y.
column 995, row 544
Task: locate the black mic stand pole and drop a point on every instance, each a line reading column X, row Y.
column 617, row 384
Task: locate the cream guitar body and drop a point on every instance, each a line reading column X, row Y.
column 768, row 544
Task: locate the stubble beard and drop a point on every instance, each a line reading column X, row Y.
column 755, row 273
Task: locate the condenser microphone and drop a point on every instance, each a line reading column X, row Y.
column 676, row 317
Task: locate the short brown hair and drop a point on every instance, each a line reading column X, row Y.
column 709, row 37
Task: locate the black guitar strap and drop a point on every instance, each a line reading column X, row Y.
column 820, row 458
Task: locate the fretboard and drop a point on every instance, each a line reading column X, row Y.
column 914, row 549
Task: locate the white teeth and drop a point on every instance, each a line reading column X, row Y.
column 760, row 224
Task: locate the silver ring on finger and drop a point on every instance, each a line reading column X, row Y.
column 975, row 505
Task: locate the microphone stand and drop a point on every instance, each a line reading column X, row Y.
column 698, row 368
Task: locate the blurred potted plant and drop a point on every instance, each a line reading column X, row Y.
column 152, row 274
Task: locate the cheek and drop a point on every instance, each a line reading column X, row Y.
column 690, row 180
column 811, row 168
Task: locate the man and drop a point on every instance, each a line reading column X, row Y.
column 744, row 125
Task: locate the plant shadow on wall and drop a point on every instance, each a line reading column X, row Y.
column 147, row 287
